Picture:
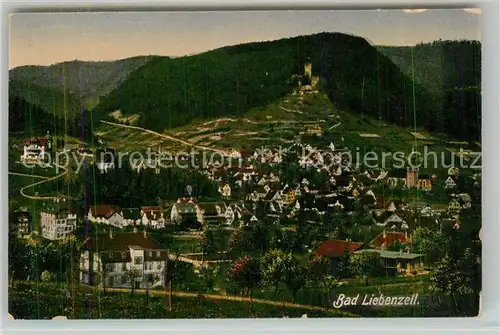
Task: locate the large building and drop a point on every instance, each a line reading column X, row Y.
column 34, row 150
column 57, row 221
column 20, row 221
column 123, row 260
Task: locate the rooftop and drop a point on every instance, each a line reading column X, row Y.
column 391, row 254
column 337, row 248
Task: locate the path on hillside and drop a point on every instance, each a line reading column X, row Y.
column 41, row 182
column 223, row 153
column 225, row 297
column 196, row 262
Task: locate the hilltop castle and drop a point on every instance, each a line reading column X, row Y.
column 308, row 82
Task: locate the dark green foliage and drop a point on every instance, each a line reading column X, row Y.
column 86, row 80
column 450, row 71
column 30, row 260
column 129, row 189
column 33, row 119
column 367, row 265
column 232, row 80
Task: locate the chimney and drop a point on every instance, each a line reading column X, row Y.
column 145, row 233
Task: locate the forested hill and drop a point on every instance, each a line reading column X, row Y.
column 451, row 72
column 231, row 80
column 357, row 77
column 87, row 81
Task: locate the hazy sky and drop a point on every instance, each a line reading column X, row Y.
column 47, row 38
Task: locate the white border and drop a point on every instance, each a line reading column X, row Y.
column 488, row 322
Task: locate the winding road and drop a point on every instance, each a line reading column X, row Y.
column 45, row 179
column 221, row 152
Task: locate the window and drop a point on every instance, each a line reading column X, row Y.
column 138, row 260
column 124, row 267
column 150, row 254
column 124, row 255
column 158, row 253
column 150, row 266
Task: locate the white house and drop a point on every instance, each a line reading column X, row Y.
column 153, row 216
column 180, row 209
column 105, row 160
column 57, row 221
column 21, row 221
column 388, row 219
column 131, row 216
column 106, row 214
column 449, row 183
column 225, row 190
column 34, row 149
column 123, row 260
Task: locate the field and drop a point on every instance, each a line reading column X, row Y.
column 45, row 300
column 295, row 117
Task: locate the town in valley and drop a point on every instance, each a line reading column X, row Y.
column 238, row 192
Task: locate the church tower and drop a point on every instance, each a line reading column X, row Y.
column 412, row 177
column 308, row 72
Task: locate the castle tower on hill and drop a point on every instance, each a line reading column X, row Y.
column 308, row 72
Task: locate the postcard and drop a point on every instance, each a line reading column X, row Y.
column 252, row 164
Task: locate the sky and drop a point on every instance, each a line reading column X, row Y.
column 48, row 38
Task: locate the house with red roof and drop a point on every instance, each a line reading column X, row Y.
column 385, row 239
column 337, row 248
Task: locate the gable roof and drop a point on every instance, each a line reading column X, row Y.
column 116, row 249
column 187, row 200
column 120, row 242
column 131, row 213
column 152, row 212
column 337, row 248
column 187, row 207
column 391, row 254
column 390, row 237
column 210, row 208
column 105, row 211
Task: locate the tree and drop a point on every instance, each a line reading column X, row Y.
column 175, row 270
column 208, row 243
column 295, row 275
column 428, row 242
column 271, row 267
column 320, row 272
column 104, row 274
column 46, row 276
column 278, row 267
column 131, row 276
column 457, row 275
column 397, row 245
column 247, row 274
column 366, row 264
column 208, row 274
column 241, row 241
